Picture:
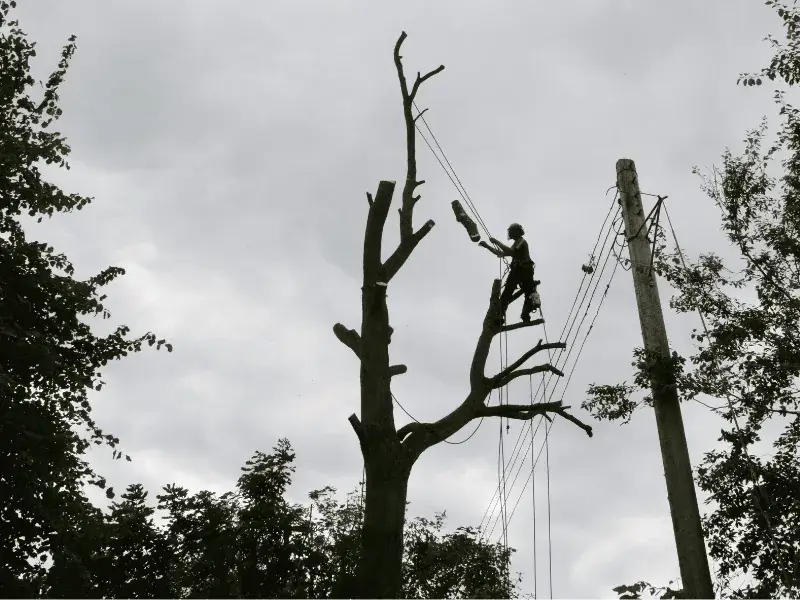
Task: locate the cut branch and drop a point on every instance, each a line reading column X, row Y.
column 399, row 257
column 521, row 325
column 397, row 370
column 357, row 427
column 546, row 368
column 519, row 411
column 369, row 198
column 373, row 236
column 349, row 337
column 573, row 419
column 526, row 412
column 504, row 374
column 420, row 80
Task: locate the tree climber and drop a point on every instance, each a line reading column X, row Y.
column 520, row 273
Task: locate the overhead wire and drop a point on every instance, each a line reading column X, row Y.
column 569, row 316
column 501, row 453
column 456, row 181
column 545, row 382
column 574, row 365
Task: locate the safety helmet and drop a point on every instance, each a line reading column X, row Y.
column 516, row 227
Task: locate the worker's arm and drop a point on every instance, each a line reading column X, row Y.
column 494, row 251
column 506, row 251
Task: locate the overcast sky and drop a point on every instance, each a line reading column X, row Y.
column 229, row 148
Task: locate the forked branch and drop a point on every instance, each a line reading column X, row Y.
column 419, row 436
column 408, row 237
column 507, row 374
column 546, row 368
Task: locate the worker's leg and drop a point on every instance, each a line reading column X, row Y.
column 526, row 283
column 512, row 282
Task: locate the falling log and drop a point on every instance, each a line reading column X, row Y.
column 466, row 221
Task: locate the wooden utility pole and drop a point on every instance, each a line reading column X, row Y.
column 681, row 494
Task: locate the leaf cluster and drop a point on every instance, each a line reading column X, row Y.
column 50, row 358
column 252, row 542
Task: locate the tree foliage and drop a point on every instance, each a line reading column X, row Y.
column 49, row 357
column 748, row 352
column 252, row 542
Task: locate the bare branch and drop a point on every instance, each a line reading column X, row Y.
column 357, row 427
column 522, row 324
column 420, row 80
column 399, row 257
column 369, row 198
column 417, row 437
column 502, row 375
column 519, row 411
column 397, row 370
column 522, row 372
column 408, row 237
column 349, row 337
column 526, row 412
column 573, row 419
column 373, row 236
column 422, row 112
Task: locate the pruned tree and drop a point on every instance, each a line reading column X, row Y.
column 389, row 453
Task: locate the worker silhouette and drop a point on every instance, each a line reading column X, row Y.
column 520, row 274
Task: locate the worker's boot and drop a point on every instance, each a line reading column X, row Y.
column 536, row 301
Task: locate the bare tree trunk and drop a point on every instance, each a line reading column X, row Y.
column 389, row 452
column 380, row 574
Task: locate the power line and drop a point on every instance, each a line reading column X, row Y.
column 492, row 519
column 501, row 454
column 515, row 454
column 547, row 428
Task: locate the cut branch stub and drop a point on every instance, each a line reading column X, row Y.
column 373, row 236
column 349, row 337
column 397, row 370
column 514, row 326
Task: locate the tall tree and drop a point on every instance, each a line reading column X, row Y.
column 748, row 355
column 390, row 452
column 49, row 357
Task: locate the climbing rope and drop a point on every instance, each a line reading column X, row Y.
column 552, row 393
column 504, row 509
column 502, row 491
column 568, row 325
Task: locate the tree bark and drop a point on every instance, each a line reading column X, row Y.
column 381, row 574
